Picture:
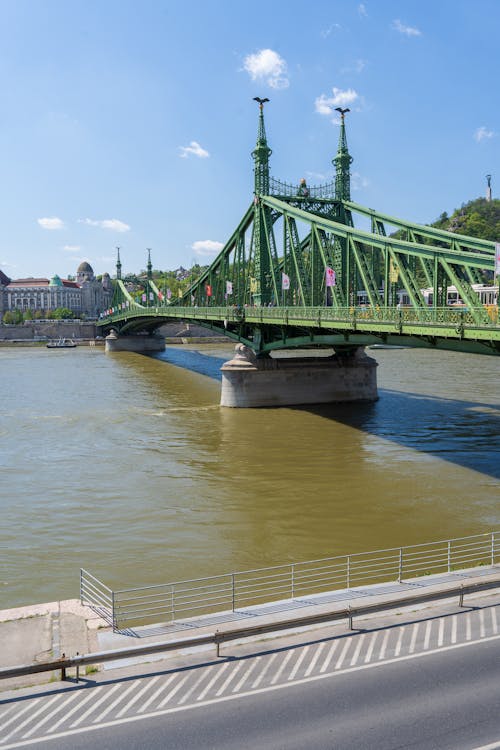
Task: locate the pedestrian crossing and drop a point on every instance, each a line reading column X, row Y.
column 25, row 721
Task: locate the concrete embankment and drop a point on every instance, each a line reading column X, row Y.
column 37, row 333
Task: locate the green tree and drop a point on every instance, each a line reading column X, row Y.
column 63, row 313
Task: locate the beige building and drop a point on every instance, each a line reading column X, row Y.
column 85, row 296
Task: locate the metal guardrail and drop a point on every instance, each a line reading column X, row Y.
column 247, row 631
column 173, row 601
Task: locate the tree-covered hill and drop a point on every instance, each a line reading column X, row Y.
column 478, row 218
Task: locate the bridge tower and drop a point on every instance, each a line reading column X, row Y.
column 261, row 287
column 118, row 264
column 342, row 163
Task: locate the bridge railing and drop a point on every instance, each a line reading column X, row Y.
column 291, row 190
column 172, row 602
column 457, row 317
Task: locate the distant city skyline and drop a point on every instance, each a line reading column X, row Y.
column 132, row 124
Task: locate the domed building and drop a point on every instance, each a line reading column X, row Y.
column 85, row 296
column 96, row 295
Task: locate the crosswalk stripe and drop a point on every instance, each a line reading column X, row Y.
column 343, row 653
column 28, row 707
column 139, row 694
column 481, row 623
column 213, row 680
column 60, row 707
column 174, row 690
column 427, row 635
column 355, row 656
column 371, row 646
column 454, row 627
column 90, row 694
column 157, row 692
column 105, row 696
column 230, row 678
column 400, row 640
column 468, row 626
column 329, row 656
column 384, row 644
column 282, row 667
column 441, row 631
column 193, row 687
column 298, row 663
column 315, row 658
column 246, row 674
column 116, row 701
column 261, row 676
column 494, row 624
column 30, row 718
column 413, row 638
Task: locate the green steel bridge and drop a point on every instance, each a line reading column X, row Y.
column 297, row 272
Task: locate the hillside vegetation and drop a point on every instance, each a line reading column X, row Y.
column 478, row 218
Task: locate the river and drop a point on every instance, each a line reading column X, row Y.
column 127, row 466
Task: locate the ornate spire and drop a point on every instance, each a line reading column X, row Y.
column 150, row 265
column 342, row 162
column 261, row 154
column 118, row 264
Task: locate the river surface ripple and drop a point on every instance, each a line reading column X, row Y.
column 127, row 466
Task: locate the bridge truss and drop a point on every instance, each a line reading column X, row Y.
column 297, row 271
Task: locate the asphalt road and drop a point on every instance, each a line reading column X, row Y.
column 415, row 685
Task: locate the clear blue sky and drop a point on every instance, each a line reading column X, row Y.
column 132, row 123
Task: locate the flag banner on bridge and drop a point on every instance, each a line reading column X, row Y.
column 160, row 296
column 179, row 292
column 208, row 290
column 285, row 281
column 253, row 284
column 330, row 276
column 497, row 259
column 144, row 298
column 393, row 272
column 169, row 293
column 151, row 296
column 229, row 287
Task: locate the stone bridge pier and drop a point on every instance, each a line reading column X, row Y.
column 140, row 343
column 249, row 381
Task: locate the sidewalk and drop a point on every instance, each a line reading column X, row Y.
column 43, row 632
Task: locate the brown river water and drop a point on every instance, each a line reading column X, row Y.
column 127, row 466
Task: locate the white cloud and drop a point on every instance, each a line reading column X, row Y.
column 202, row 248
column 358, row 181
column 72, row 248
column 362, row 10
column 317, row 176
column 51, row 223
column 357, row 66
column 195, row 149
column 403, row 29
column 325, row 105
column 326, row 32
column 115, row 225
column 482, row 133
column 268, row 66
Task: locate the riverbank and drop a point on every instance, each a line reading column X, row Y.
column 38, row 333
column 44, row 632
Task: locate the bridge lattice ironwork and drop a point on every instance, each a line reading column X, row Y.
column 297, row 271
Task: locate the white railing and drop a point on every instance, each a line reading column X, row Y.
column 171, row 602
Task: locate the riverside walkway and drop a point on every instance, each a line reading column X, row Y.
column 41, row 632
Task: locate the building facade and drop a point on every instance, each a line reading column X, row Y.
column 85, row 296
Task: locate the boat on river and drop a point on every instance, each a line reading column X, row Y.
column 61, row 344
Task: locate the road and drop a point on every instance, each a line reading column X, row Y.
column 423, row 684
